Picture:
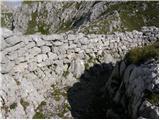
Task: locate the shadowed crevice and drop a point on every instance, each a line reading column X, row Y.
column 85, row 97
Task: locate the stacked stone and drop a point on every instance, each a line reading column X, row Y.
column 30, row 64
column 43, row 50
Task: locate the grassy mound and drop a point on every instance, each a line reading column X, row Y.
column 141, row 54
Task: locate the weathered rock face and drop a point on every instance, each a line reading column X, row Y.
column 37, row 71
column 98, row 17
column 133, row 90
column 129, row 91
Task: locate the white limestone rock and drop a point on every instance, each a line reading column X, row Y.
column 6, row 32
column 34, row 51
column 5, row 68
column 45, row 49
column 53, row 37
column 41, row 58
column 32, row 66
column 108, row 58
column 77, row 67
column 20, row 67
column 57, row 43
column 13, row 40
column 52, row 56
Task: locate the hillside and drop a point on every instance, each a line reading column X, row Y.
column 67, row 60
column 87, row 17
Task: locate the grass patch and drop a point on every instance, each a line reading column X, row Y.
column 102, row 26
column 43, row 103
column 58, row 93
column 133, row 16
column 6, row 20
column 65, row 26
column 39, row 115
column 153, row 98
column 13, row 105
column 67, row 4
column 30, row 2
column 63, row 109
column 91, row 61
column 38, row 26
column 141, row 54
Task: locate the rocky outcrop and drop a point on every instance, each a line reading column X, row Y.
column 122, row 91
column 37, row 71
column 97, row 17
column 133, row 91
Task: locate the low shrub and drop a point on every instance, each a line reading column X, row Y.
column 142, row 54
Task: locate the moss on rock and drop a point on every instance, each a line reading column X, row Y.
column 39, row 111
column 39, row 115
column 13, row 105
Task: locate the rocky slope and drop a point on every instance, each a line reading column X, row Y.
column 85, row 16
column 86, row 59
column 71, row 75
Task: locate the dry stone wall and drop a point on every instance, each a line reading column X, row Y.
column 32, row 64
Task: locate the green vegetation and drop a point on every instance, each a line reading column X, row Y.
column 101, row 26
column 91, row 61
column 13, row 105
column 37, row 26
column 87, row 66
column 65, row 26
column 27, row 2
column 153, row 98
column 39, row 114
column 30, row 1
column 43, row 103
column 141, row 54
column 58, row 93
column 65, row 73
column 67, row 5
column 132, row 15
column 63, row 109
column 24, row 103
column 37, row 22
column 6, row 20
column 78, row 5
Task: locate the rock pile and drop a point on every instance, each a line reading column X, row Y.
column 38, row 69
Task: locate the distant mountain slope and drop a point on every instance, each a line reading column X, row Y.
column 85, row 16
